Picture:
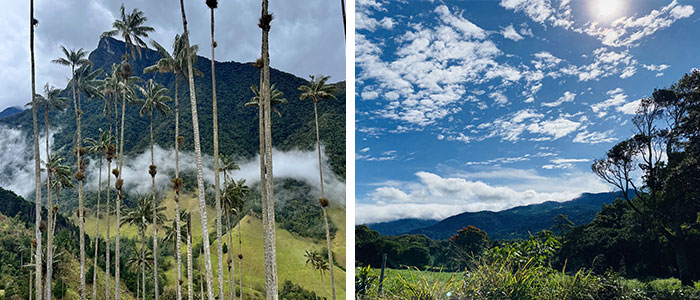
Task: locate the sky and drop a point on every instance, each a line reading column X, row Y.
column 304, row 40
column 486, row 105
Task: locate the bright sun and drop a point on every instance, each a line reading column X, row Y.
column 605, row 10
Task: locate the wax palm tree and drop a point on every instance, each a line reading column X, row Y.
column 175, row 63
column 228, row 165
column 213, row 4
column 125, row 86
column 139, row 216
column 131, row 27
column 110, row 92
column 154, row 98
column 321, row 267
column 275, row 98
column 76, row 58
column 86, row 83
column 342, row 7
column 62, row 178
column 51, row 101
column 316, row 91
column 241, row 191
column 37, row 160
column 198, row 159
column 136, row 263
column 312, row 259
column 100, row 147
column 268, row 197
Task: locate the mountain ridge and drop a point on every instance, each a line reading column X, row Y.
column 513, row 223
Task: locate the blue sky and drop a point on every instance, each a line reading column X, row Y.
column 487, row 105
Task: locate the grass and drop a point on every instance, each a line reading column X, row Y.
column 290, row 250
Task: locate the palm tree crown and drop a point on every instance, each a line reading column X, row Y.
column 154, row 97
column 131, row 28
column 317, row 89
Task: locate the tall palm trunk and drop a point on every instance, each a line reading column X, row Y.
column 31, row 262
column 198, row 158
column 269, row 232
column 49, row 210
column 230, row 261
column 190, row 295
column 81, row 209
column 345, row 29
column 118, row 204
column 178, row 253
column 240, row 258
column 155, row 224
column 97, row 218
column 324, row 202
column 217, row 192
column 143, row 257
column 107, row 273
column 37, row 164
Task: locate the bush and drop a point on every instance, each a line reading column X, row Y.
column 291, row 291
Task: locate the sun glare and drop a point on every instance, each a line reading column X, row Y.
column 605, row 10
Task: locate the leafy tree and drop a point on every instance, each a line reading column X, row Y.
column 316, row 91
column 665, row 147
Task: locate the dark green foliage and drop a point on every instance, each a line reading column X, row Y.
column 296, row 209
column 292, row 291
column 404, row 250
column 60, row 288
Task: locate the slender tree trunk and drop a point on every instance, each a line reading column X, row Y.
column 217, row 191
column 324, row 208
column 81, row 209
column 198, row 158
column 109, row 212
column 118, row 204
column 37, row 163
column 345, row 26
column 143, row 257
column 155, row 223
column 190, row 294
column 107, row 209
column 240, row 260
column 201, row 279
column 230, row 260
column 49, row 213
column 178, row 253
column 270, row 248
column 31, row 262
column 97, row 232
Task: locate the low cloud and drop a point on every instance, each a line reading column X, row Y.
column 434, row 196
column 16, row 163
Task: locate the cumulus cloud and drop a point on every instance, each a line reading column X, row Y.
column 432, row 67
column 433, row 196
column 594, row 137
column 622, row 32
column 510, row 33
column 567, row 97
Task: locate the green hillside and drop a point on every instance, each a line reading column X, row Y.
column 290, row 250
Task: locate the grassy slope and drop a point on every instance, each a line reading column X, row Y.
column 290, row 249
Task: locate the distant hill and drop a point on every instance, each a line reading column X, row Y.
column 10, row 111
column 517, row 222
column 401, row 226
